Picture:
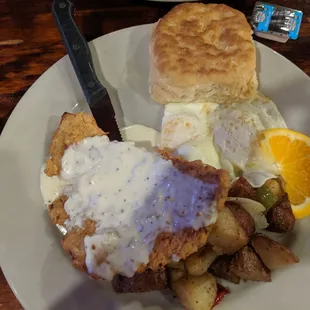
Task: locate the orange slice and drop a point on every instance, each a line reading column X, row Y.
column 290, row 150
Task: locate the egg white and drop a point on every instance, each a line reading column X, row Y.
column 223, row 136
column 185, row 129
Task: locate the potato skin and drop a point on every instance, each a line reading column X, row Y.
column 247, row 265
column 280, row 216
column 243, row 217
column 242, row 188
column 196, row 293
column 273, row 254
column 221, row 268
column 227, row 236
column 146, row 281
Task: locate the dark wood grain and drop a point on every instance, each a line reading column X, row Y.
column 30, row 44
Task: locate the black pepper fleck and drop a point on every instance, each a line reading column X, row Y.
column 123, row 209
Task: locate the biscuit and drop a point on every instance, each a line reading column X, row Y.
column 202, row 53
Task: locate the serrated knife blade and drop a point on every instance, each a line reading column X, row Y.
column 79, row 53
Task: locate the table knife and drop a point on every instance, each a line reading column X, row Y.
column 79, row 53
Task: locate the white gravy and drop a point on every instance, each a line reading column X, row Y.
column 143, row 136
column 132, row 195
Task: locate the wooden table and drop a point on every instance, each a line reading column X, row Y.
column 30, row 44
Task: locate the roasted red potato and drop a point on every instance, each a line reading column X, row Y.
column 196, row 293
column 198, row 263
column 243, row 217
column 175, row 274
column 227, row 235
column 247, row 265
column 221, row 269
column 280, row 216
column 273, row 254
column 242, row 188
column 149, row 280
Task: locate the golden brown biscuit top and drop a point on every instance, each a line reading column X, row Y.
column 198, row 44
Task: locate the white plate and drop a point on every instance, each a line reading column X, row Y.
column 30, row 254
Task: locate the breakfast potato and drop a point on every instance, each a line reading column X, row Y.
column 243, row 217
column 149, row 280
column 175, row 274
column 254, row 208
column 196, row 293
column 247, row 265
column 280, row 216
column 242, row 188
column 273, row 254
column 221, row 269
column 198, row 263
column 227, row 236
column 177, row 265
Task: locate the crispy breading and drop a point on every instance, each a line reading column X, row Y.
column 182, row 243
column 73, row 128
column 57, row 212
column 73, row 244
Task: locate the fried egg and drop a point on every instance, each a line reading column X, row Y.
column 223, row 136
column 185, row 129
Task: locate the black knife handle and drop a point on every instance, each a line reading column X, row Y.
column 78, row 51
